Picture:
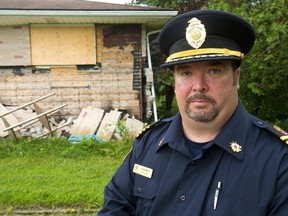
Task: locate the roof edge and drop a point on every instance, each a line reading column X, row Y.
column 159, row 13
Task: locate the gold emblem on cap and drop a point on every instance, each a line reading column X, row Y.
column 235, row 147
column 195, row 33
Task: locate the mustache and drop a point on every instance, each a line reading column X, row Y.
column 200, row 97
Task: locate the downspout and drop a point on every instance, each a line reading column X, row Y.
column 150, row 67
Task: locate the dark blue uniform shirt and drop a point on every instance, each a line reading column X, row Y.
column 254, row 177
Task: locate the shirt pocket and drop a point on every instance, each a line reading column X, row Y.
column 145, row 190
column 231, row 205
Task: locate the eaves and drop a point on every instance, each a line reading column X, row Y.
column 153, row 19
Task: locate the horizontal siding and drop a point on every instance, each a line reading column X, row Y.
column 15, row 45
column 105, row 94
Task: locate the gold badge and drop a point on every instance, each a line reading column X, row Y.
column 195, row 33
column 235, row 147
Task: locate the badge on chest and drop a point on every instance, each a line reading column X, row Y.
column 142, row 170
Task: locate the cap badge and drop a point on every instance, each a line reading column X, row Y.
column 235, row 147
column 195, row 33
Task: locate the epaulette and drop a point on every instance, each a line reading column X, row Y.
column 283, row 135
column 149, row 127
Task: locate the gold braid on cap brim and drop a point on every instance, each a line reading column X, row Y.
column 204, row 52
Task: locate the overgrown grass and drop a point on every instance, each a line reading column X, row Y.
column 55, row 173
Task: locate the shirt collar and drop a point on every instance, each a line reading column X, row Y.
column 174, row 137
column 231, row 138
column 233, row 134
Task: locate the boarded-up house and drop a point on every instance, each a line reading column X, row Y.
column 88, row 53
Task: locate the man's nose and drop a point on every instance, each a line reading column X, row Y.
column 199, row 84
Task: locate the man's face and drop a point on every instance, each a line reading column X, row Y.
column 206, row 90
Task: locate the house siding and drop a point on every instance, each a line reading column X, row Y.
column 15, row 45
column 111, row 85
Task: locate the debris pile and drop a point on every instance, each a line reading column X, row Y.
column 102, row 124
column 30, row 120
column 25, row 122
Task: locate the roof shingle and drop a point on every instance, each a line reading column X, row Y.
column 66, row 5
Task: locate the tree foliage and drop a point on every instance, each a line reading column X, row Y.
column 264, row 89
column 180, row 5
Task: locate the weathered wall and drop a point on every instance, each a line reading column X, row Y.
column 109, row 85
column 15, row 45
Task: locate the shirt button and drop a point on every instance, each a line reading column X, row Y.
column 139, row 190
column 182, row 197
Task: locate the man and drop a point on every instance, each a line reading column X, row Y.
column 211, row 158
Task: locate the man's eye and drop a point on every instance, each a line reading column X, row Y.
column 186, row 73
column 214, row 71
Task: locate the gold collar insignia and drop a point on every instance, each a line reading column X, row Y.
column 235, row 147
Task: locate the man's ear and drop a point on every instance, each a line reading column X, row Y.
column 237, row 73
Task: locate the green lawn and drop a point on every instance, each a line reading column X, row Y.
column 53, row 174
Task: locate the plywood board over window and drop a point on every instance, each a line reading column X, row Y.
column 63, row 45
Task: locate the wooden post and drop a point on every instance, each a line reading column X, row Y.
column 44, row 120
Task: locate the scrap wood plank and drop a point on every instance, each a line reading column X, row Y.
column 134, row 126
column 9, row 119
column 22, row 114
column 87, row 122
column 108, row 125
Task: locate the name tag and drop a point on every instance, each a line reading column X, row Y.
column 142, row 170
